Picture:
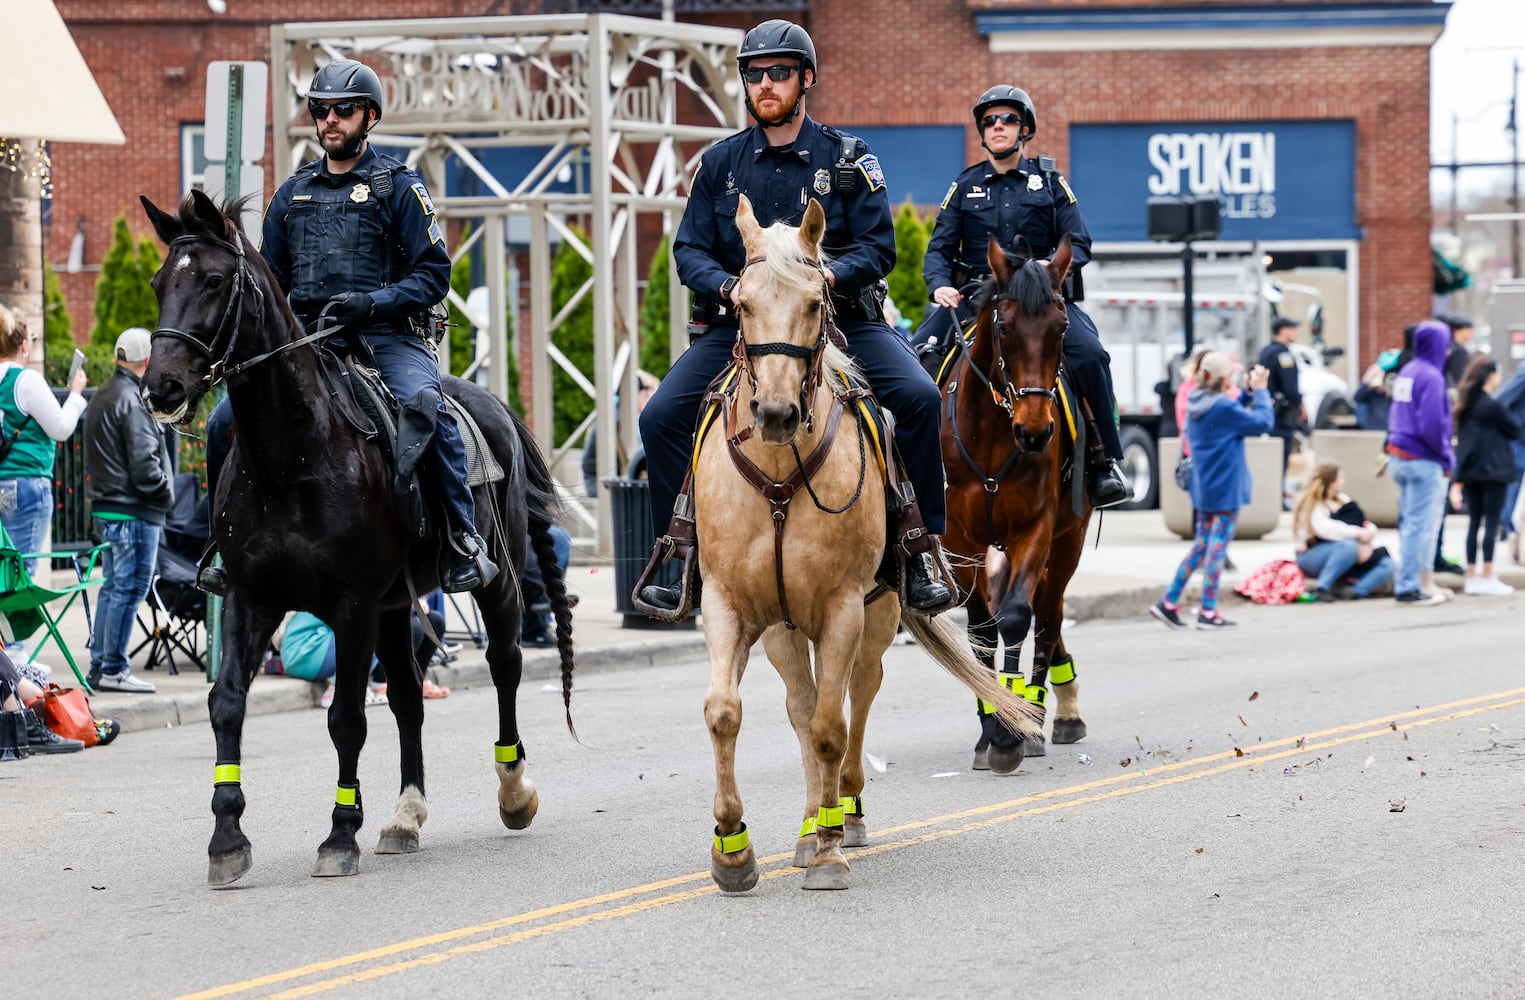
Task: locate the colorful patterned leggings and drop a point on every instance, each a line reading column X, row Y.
column 1215, row 529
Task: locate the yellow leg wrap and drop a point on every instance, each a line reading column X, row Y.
column 347, row 795
column 1037, row 694
column 1061, row 673
column 732, row 843
column 508, row 755
column 986, row 707
column 1011, row 682
column 807, row 827
column 830, row 818
column 852, row 805
column 227, row 774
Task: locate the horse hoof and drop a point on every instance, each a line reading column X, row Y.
column 397, row 842
column 1034, row 746
column 520, row 818
column 830, row 876
column 734, row 872
column 854, row 832
column 229, row 868
column 1004, row 760
column 1069, row 730
column 332, row 864
column 804, row 850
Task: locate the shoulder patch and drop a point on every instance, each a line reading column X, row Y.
column 423, row 197
column 872, row 172
column 435, row 236
column 1066, row 186
column 952, row 190
column 1286, row 360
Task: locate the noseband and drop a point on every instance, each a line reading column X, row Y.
column 743, row 352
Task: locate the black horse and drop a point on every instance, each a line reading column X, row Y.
column 304, row 516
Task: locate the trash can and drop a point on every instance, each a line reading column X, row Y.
column 630, row 518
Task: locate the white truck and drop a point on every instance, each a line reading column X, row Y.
column 1143, row 332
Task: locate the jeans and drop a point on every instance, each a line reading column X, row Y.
column 26, row 507
column 128, row 566
column 1331, row 562
column 1421, row 489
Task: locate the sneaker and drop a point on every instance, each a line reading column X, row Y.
column 1322, row 596
column 1214, row 623
column 1471, row 586
column 376, row 695
column 106, row 730
column 1488, row 586
column 1170, row 617
column 123, row 681
column 1447, row 566
column 1419, row 599
column 328, row 697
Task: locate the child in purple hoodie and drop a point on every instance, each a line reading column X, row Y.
column 1420, row 459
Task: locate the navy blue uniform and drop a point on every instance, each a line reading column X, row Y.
column 373, row 229
column 1039, row 207
column 860, row 240
column 1287, row 400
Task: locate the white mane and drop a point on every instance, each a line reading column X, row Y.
column 788, row 269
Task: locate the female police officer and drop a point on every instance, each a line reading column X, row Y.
column 1013, row 196
column 781, row 164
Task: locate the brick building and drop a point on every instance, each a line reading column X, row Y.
column 1315, row 115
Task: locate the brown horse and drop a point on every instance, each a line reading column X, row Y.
column 795, row 568
column 1012, row 509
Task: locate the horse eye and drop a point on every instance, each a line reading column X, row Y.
column 815, row 307
column 214, row 281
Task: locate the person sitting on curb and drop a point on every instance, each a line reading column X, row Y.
column 308, row 651
column 23, row 732
column 1334, row 539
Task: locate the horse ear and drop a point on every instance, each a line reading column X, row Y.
column 1000, row 264
column 813, row 229
column 167, row 226
column 1060, row 264
column 206, row 211
column 746, row 222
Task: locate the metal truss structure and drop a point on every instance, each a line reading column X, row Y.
column 634, row 99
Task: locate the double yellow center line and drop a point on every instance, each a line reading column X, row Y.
column 442, row 947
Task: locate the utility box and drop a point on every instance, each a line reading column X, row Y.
column 1257, row 518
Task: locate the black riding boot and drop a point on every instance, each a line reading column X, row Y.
column 925, row 593
column 1109, row 485
column 211, row 577
column 668, row 597
column 467, row 565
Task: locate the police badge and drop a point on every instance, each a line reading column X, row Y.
column 1035, row 182
column 359, row 193
column 822, row 185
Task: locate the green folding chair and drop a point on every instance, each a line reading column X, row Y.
column 28, row 606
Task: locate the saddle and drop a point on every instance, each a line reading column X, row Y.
column 403, row 433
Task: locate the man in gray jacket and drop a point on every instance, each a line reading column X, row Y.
column 131, row 487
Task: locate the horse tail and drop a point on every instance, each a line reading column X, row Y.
column 543, row 505
column 946, row 645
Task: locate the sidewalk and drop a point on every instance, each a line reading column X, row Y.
column 1120, row 578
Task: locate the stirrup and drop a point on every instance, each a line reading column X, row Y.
column 914, row 547
column 667, row 549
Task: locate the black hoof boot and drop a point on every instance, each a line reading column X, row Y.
column 470, row 567
column 213, row 580
column 1109, row 486
column 925, row 593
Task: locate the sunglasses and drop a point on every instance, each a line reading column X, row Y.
column 343, row 109
column 1005, row 118
column 778, row 74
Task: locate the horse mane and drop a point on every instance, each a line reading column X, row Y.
column 788, row 268
column 1030, row 286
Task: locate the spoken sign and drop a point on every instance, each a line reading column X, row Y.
column 1239, row 167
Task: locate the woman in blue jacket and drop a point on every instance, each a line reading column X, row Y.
column 1216, row 426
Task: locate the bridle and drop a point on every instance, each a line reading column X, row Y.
column 743, row 352
column 231, row 324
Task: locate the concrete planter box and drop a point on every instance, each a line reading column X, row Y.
column 1358, row 454
column 1256, row 518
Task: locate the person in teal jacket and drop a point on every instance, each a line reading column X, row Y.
column 1216, row 426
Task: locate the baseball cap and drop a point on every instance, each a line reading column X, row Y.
column 1281, row 323
column 1215, row 365
column 133, row 344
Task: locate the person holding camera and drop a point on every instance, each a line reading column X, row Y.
column 1220, row 480
column 782, row 164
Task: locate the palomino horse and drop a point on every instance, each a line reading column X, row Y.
column 1010, row 455
column 799, row 570
column 305, row 520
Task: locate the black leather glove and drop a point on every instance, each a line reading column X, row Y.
column 352, row 308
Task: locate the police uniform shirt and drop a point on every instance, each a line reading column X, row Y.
column 780, row 183
column 371, row 229
column 1279, row 360
column 1020, row 202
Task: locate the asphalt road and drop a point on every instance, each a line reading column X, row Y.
column 1152, row 860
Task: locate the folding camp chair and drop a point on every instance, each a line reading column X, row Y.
column 28, row 606
column 176, row 611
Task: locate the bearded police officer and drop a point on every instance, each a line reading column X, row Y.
column 1017, row 198
column 1277, row 358
column 781, row 165
column 354, row 236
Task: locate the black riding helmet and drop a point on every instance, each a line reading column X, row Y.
column 779, row 38
column 1015, row 97
column 346, row 78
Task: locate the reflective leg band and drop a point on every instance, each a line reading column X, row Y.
column 1037, row 694
column 852, row 805
column 227, row 774
column 1011, row 682
column 347, row 795
column 986, row 707
column 508, row 755
column 1061, row 673
column 732, row 843
column 808, row 827
column 831, row 819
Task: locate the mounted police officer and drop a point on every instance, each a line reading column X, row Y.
column 354, row 236
column 1286, row 399
column 781, row 164
column 1011, row 196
